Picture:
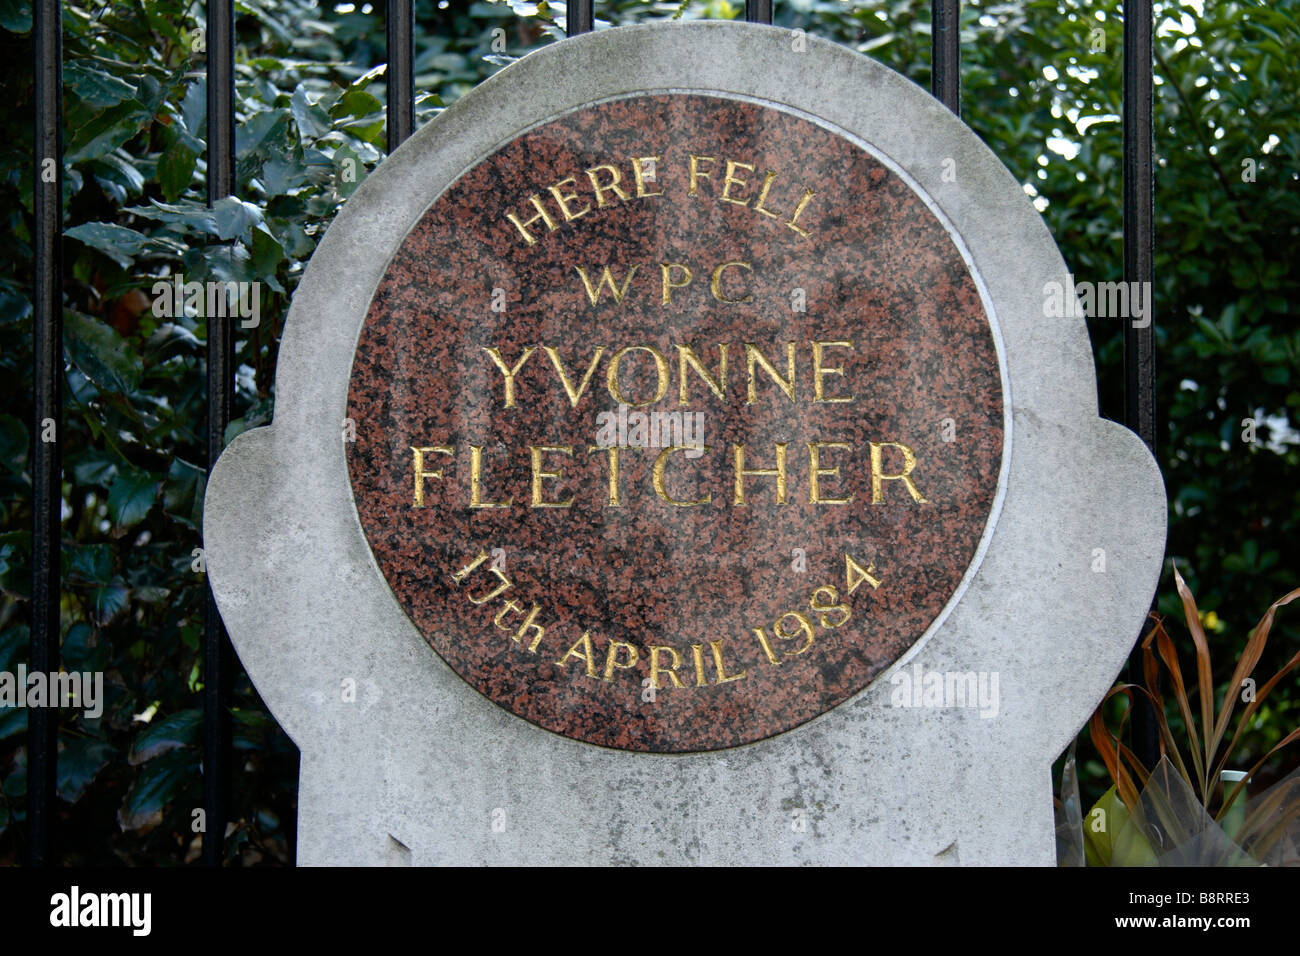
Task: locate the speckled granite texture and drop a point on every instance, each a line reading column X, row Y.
column 875, row 268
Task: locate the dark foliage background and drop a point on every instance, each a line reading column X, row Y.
column 1042, row 86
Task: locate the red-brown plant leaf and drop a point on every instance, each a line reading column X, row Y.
column 1253, row 706
column 1168, row 744
column 1288, row 739
column 1169, row 655
column 1101, row 739
column 1246, row 665
column 1204, row 674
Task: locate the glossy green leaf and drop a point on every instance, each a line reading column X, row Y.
column 102, row 354
column 161, row 735
column 16, row 15
column 130, row 497
column 80, row 760
column 94, row 86
column 157, row 784
column 235, row 218
column 117, row 242
column 176, row 170
column 107, row 131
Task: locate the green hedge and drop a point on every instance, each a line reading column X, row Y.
column 310, row 105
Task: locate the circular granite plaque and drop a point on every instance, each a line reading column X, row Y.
column 678, row 419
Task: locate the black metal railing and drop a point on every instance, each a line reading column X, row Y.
column 217, row 654
column 1139, row 404
column 47, row 404
column 1139, row 266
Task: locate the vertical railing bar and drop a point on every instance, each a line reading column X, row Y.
column 758, row 11
column 945, row 53
column 580, row 17
column 47, row 396
column 400, row 72
column 217, row 656
column 1139, row 266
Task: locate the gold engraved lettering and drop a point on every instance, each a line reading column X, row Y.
column 803, row 625
column 611, row 658
column 587, row 654
column 798, row 209
column 468, row 569
column 696, row 174
column 509, row 372
column 530, row 623
column 666, row 269
column 825, row 610
column 661, row 366
column 475, row 480
column 614, row 501
column 697, row 653
column 563, row 199
column 729, row 180
column 610, row 187
column 716, row 284
column 762, row 196
column 661, row 462
column 506, row 608
column 606, row 279
column 638, row 173
column 816, row 472
column 754, row 357
column 686, row 356
column 820, row 371
column 767, row 648
column 500, row 589
column 656, row 669
column 538, row 474
column 574, row 394
column 542, row 214
column 417, row 466
column 855, row 574
column 879, row 477
column 722, row 671
column 742, row 472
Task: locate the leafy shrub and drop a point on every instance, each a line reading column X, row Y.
column 1037, row 87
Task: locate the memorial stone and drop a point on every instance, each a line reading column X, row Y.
column 674, row 461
